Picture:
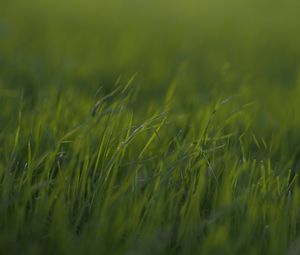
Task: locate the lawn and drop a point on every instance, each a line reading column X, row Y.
column 150, row 127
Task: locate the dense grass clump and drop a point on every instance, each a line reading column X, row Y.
column 152, row 127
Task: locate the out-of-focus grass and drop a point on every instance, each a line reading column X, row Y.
column 149, row 127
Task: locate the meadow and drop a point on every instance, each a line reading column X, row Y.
column 150, row 127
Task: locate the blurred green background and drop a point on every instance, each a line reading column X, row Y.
column 249, row 50
column 211, row 50
column 204, row 45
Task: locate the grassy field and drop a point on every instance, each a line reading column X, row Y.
column 150, row 127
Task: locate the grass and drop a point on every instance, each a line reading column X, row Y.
column 149, row 128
